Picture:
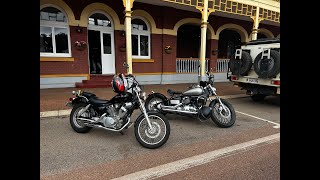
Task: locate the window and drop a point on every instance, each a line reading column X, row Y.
column 54, row 33
column 140, row 39
column 99, row 19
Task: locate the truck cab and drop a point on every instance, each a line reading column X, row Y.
column 255, row 67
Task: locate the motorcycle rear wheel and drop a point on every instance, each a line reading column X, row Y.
column 77, row 125
column 152, row 138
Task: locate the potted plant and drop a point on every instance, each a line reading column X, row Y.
column 80, row 45
column 123, row 48
column 168, row 49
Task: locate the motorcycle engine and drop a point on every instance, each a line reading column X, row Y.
column 201, row 101
column 114, row 119
column 189, row 108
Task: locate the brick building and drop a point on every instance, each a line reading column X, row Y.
column 83, row 42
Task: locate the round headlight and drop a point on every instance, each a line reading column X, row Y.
column 143, row 96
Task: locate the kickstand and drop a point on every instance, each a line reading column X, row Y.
column 121, row 132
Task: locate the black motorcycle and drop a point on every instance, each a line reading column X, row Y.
column 193, row 102
column 151, row 129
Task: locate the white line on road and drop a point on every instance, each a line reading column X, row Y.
column 277, row 125
column 197, row 160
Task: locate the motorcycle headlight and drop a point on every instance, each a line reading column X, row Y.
column 143, row 96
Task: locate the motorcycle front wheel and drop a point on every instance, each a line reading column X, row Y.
column 155, row 137
column 223, row 118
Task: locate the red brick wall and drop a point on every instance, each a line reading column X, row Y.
column 156, row 55
column 169, row 60
column 213, row 58
column 164, row 17
column 120, row 57
column 80, row 64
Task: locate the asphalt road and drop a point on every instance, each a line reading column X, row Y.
column 100, row 154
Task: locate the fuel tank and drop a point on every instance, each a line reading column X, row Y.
column 194, row 92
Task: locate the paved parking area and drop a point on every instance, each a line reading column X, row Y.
column 65, row 153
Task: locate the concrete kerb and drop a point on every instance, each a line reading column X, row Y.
column 59, row 113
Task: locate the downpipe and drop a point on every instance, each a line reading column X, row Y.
column 102, row 127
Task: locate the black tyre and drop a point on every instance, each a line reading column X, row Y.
column 241, row 66
column 153, row 100
column 219, row 116
column 77, row 125
column 152, row 138
column 267, row 68
column 258, row 97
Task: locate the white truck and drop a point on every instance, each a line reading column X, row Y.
column 255, row 67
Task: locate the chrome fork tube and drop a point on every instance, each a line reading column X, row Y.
column 143, row 109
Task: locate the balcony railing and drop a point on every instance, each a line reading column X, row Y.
column 244, row 8
column 189, row 65
column 222, row 65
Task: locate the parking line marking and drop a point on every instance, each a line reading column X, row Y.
column 277, row 125
column 176, row 166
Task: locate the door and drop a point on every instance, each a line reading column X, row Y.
column 107, row 53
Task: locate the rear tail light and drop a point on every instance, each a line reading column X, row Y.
column 234, row 78
column 277, row 82
column 71, row 99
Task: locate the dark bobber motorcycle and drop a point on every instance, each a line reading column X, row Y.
column 193, row 102
column 152, row 129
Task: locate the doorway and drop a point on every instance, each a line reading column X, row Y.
column 101, row 45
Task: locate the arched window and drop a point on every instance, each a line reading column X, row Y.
column 140, row 39
column 54, row 33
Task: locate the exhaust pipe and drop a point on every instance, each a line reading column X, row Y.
column 102, row 127
column 169, row 107
column 178, row 111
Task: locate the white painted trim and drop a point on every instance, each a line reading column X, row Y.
column 99, row 28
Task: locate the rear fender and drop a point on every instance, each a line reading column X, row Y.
column 78, row 100
column 159, row 95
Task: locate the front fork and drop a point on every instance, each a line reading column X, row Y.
column 217, row 97
column 143, row 109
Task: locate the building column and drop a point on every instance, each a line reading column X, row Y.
column 204, row 24
column 128, row 5
column 256, row 21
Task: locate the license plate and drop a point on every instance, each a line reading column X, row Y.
column 252, row 80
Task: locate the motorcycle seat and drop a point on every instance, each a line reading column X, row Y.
column 95, row 101
column 171, row 92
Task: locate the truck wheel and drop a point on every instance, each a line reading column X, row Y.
column 241, row 66
column 267, row 68
column 258, row 97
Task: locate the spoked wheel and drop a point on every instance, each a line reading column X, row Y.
column 153, row 103
column 152, row 137
column 223, row 117
column 76, row 124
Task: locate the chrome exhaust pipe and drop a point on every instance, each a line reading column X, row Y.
column 169, row 107
column 179, row 111
column 102, row 127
